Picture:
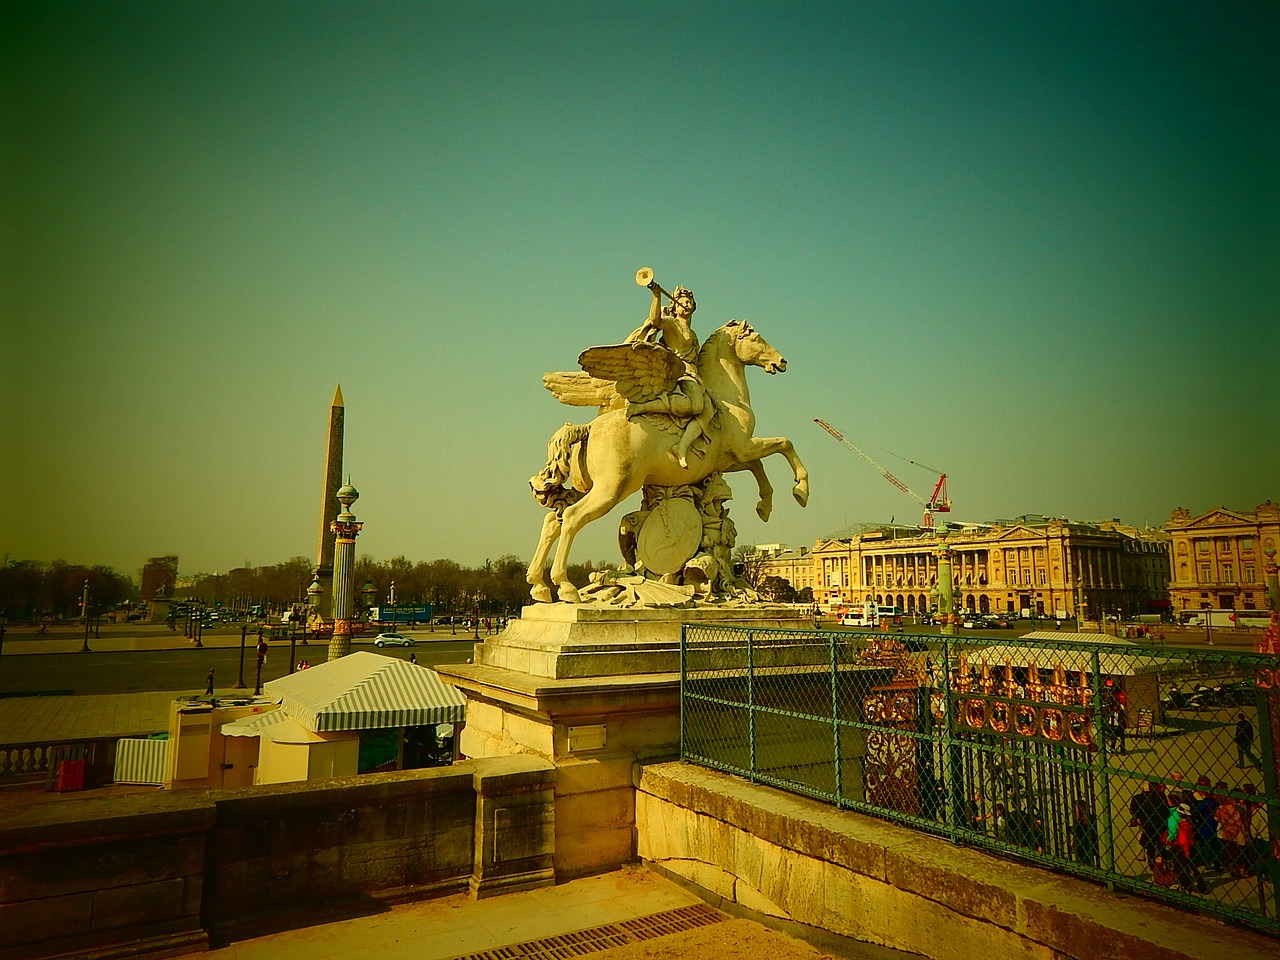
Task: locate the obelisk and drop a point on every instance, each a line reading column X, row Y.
column 332, row 482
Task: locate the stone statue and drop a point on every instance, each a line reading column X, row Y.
column 673, row 417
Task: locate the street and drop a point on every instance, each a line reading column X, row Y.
column 132, row 659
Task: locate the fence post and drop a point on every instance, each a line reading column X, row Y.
column 684, row 670
column 835, row 717
column 1103, row 769
column 952, row 770
column 751, row 703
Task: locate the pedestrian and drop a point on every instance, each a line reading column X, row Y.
column 1244, row 741
column 1204, row 808
column 1180, row 839
column 208, row 683
column 1114, row 706
column 1148, row 811
column 413, row 658
column 1234, row 833
column 1084, row 836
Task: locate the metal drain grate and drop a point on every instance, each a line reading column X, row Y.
column 594, row 939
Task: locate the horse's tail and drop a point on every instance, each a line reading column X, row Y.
column 549, row 486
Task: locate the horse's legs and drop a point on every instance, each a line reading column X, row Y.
column 764, row 506
column 595, row 503
column 536, row 575
column 761, row 447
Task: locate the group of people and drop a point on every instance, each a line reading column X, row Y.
column 1190, row 830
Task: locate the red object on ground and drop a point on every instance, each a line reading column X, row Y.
column 70, row 776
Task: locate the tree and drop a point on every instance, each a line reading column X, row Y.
column 748, row 563
column 778, row 590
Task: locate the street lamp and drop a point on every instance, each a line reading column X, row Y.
column 84, row 615
column 475, row 615
column 369, row 593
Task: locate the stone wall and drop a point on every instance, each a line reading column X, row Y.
column 171, row 872
column 807, row 863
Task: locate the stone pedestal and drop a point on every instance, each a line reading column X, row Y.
column 593, row 690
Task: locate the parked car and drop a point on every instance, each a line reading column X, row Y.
column 392, row 640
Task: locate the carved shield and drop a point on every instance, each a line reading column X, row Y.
column 670, row 536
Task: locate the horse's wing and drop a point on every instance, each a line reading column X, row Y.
column 578, row 389
column 641, row 370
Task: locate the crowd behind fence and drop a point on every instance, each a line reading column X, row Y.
column 1149, row 769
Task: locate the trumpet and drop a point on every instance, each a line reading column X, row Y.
column 644, row 277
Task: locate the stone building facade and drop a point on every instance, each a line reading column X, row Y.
column 1042, row 565
column 1219, row 557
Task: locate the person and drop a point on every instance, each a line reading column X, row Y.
column 413, row 658
column 1244, row 741
column 208, row 683
column 1084, row 835
column 1148, row 811
column 1234, row 833
column 673, row 327
column 1204, row 807
column 1114, row 707
column 1180, row 839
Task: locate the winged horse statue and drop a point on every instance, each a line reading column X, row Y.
column 645, row 392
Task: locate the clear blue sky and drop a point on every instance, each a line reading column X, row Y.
column 1035, row 245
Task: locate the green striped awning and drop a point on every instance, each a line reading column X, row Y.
column 367, row 691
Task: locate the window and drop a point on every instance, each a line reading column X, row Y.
column 1248, row 574
column 1246, row 544
column 1202, row 546
column 1204, row 573
column 1042, row 578
column 1228, row 573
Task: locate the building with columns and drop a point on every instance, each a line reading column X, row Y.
column 1219, row 557
column 1045, row 565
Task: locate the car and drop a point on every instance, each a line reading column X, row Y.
column 392, row 640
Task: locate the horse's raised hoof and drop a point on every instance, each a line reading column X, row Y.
column 540, row 593
column 801, row 492
column 568, row 593
column 764, row 509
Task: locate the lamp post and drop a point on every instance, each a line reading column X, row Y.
column 84, row 615
column 239, row 684
column 475, row 615
column 368, row 593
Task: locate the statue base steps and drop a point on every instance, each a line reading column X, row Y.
column 563, row 641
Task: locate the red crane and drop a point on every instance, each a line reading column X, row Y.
column 938, row 502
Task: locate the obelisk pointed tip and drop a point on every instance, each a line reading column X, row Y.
column 337, row 397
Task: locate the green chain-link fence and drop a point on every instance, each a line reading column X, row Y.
column 1080, row 755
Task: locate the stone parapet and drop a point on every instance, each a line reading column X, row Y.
column 514, row 825
column 805, row 862
column 161, row 874
column 77, row 878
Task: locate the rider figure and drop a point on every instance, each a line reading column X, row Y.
column 673, row 327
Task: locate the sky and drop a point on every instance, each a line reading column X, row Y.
column 1035, row 246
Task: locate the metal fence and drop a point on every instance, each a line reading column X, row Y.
column 1083, row 755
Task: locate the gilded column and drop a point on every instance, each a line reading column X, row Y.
column 345, row 530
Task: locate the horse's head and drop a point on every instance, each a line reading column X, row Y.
column 752, row 349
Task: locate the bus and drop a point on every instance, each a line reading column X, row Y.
column 862, row 615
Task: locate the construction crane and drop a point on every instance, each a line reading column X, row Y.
column 939, row 502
